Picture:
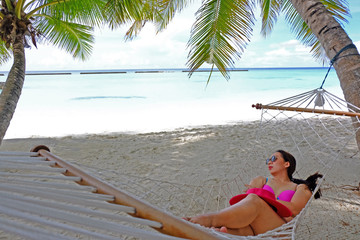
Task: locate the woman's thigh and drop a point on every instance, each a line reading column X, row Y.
column 267, row 219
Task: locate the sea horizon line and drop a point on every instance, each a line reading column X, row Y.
column 150, row 70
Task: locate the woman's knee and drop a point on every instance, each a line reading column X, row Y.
column 254, row 198
column 256, row 201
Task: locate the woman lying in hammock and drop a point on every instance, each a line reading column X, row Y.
column 258, row 211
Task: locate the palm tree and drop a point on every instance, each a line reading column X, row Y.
column 223, row 28
column 333, row 40
column 67, row 24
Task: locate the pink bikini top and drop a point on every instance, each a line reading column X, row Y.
column 285, row 195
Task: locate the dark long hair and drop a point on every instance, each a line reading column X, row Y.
column 310, row 182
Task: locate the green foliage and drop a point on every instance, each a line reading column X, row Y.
column 220, row 34
column 139, row 12
column 122, row 11
column 224, row 27
column 67, row 24
column 270, row 10
column 88, row 12
column 5, row 54
column 218, row 37
column 339, row 10
column 168, row 9
column 72, row 37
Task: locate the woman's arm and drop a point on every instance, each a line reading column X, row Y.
column 299, row 200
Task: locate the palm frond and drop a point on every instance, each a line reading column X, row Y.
column 318, row 52
column 5, row 54
column 88, row 12
column 134, row 30
column 150, row 11
column 9, row 5
column 147, row 11
column 270, row 10
column 123, row 11
column 339, row 10
column 74, row 38
column 138, row 12
column 168, row 9
column 221, row 32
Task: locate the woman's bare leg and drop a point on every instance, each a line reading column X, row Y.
column 246, row 231
column 251, row 211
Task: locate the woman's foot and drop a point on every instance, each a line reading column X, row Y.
column 247, row 231
column 203, row 220
column 221, row 229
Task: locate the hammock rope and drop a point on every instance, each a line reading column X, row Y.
column 336, row 57
column 321, row 138
column 67, row 210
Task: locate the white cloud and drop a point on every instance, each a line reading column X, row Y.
column 289, row 53
column 280, row 52
column 357, row 44
column 168, row 49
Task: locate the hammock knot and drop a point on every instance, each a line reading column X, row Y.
column 336, row 57
column 319, row 100
column 351, row 45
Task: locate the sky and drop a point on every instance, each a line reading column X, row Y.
column 168, row 48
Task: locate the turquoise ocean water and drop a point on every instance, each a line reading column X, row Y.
column 156, row 100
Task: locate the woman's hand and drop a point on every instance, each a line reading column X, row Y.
column 257, row 182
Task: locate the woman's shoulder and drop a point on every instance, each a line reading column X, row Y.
column 303, row 188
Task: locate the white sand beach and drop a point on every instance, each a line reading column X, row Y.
column 203, row 156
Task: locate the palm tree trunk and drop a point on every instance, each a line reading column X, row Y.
column 333, row 38
column 12, row 90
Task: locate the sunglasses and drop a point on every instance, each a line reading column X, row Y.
column 272, row 159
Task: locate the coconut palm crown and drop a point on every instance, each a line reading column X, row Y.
column 224, row 28
column 67, row 24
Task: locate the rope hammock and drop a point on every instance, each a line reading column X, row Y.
column 38, row 203
column 39, row 199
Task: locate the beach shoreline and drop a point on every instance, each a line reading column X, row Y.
column 166, row 162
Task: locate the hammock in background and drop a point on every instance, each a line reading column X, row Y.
column 316, row 129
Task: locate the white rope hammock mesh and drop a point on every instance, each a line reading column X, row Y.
column 38, row 203
column 320, row 142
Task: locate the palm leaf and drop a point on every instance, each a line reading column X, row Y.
column 270, row 10
column 74, row 38
column 149, row 10
column 319, row 53
column 88, row 12
column 134, row 30
column 122, row 11
column 221, row 32
column 168, row 8
column 139, row 12
column 337, row 8
column 5, row 54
